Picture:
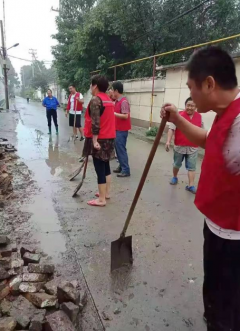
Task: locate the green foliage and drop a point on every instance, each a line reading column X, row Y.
column 12, row 77
column 152, row 132
column 37, row 76
column 93, row 35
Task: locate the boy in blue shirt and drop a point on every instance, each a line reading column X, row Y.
column 51, row 103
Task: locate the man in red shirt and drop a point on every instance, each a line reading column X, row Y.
column 183, row 148
column 123, row 125
column 213, row 84
column 74, row 109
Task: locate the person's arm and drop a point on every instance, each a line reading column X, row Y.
column 80, row 99
column 44, row 103
column 95, row 111
column 170, row 134
column 195, row 134
column 125, row 111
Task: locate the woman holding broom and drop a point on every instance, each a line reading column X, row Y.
column 100, row 134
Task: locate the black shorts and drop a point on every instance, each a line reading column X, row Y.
column 78, row 121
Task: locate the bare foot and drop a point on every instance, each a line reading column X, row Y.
column 107, row 196
column 96, row 203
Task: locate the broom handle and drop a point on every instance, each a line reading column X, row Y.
column 75, row 117
column 85, row 167
column 145, row 173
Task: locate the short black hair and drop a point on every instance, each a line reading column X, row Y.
column 49, row 90
column 118, row 86
column 213, row 61
column 101, row 82
column 72, row 85
column 188, row 99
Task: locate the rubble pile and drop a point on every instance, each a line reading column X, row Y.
column 31, row 298
column 5, row 177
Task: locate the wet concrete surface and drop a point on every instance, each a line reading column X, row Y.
column 163, row 289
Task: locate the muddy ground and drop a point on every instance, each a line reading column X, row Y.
column 163, row 289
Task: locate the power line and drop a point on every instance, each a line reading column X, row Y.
column 19, row 58
column 175, row 18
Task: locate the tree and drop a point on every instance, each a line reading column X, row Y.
column 12, row 77
column 99, row 34
column 37, row 76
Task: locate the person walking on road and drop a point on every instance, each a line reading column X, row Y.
column 213, row 84
column 74, row 108
column 183, row 148
column 28, row 98
column 123, row 125
column 100, row 133
column 51, row 103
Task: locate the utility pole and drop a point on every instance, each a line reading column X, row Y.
column 4, row 51
column 33, row 52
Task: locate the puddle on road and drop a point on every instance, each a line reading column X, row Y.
column 41, row 155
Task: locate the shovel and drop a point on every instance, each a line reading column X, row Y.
column 121, row 249
column 83, row 177
column 76, row 172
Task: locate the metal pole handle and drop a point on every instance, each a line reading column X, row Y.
column 145, row 173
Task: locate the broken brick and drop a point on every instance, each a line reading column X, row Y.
column 41, row 300
column 41, row 268
column 7, row 251
column 72, row 311
column 15, row 271
column 16, row 262
column 66, row 292
column 3, row 284
column 31, row 258
column 5, row 307
column 15, row 283
column 5, row 262
column 30, row 287
column 26, row 249
column 4, row 274
column 4, row 240
column 37, row 321
column 35, row 326
column 51, row 287
column 22, row 312
column 35, row 278
column 7, row 324
column 4, row 292
column 58, row 321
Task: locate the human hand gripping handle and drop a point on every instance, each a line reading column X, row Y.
column 169, row 109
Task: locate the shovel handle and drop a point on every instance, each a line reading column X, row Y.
column 145, row 173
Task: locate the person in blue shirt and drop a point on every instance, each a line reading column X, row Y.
column 51, row 103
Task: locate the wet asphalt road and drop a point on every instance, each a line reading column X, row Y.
column 163, row 289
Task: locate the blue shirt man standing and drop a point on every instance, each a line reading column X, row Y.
column 51, row 103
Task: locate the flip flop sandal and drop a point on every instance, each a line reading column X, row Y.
column 97, row 196
column 94, row 204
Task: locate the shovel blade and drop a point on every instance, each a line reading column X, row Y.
column 121, row 253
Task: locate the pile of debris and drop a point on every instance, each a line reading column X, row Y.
column 5, row 177
column 31, row 298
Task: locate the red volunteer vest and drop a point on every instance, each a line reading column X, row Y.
column 218, row 194
column 180, row 139
column 77, row 105
column 107, row 120
column 121, row 124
